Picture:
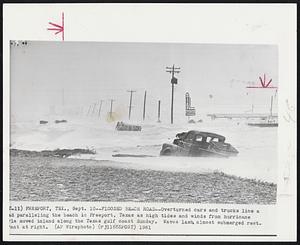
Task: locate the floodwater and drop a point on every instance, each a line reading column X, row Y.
column 257, row 158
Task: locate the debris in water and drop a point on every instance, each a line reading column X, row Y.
column 60, row 121
column 131, row 155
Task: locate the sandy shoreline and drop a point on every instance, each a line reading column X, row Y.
column 36, row 178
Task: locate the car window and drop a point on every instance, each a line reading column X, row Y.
column 189, row 137
column 198, row 138
column 209, row 139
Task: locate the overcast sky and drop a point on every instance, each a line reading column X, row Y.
column 90, row 71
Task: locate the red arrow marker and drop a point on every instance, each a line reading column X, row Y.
column 263, row 83
column 269, row 83
column 58, row 28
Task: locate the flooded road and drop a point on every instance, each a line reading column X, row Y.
column 257, row 158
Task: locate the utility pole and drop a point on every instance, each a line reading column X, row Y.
column 111, row 106
column 63, row 97
column 144, row 110
column 172, row 70
column 271, row 105
column 130, row 102
column 101, row 101
column 94, row 108
column 158, row 115
column 89, row 110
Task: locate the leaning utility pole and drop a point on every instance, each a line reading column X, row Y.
column 144, row 110
column 101, row 101
column 94, row 108
column 172, row 70
column 130, row 102
column 88, row 111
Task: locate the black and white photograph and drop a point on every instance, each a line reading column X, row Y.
column 143, row 122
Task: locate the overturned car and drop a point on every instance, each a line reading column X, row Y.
column 196, row 143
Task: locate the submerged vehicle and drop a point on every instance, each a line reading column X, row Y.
column 43, row 122
column 196, row 143
column 127, row 127
column 265, row 123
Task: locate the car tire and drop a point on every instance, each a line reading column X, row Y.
column 166, row 152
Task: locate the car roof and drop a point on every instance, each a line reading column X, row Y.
column 206, row 134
